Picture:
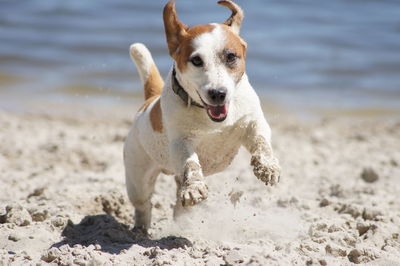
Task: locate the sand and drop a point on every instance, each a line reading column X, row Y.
column 63, row 198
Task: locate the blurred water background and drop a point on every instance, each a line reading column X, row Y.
column 302, row 54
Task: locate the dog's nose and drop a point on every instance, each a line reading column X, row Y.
column 217, row 96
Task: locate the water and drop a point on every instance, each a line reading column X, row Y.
column 301, row 53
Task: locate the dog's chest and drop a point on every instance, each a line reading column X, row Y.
column 217, row 150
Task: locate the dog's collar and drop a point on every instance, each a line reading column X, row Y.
column 180, row 91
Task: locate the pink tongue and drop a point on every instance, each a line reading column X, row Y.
column 218, row 111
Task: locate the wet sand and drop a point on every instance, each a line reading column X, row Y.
column 63, row 198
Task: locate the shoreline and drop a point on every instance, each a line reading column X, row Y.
column 26, row 103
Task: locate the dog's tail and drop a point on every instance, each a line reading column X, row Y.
column 148, row 71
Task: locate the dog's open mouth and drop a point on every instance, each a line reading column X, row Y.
column 217, row 113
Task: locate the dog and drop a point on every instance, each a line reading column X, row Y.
column 193, row 125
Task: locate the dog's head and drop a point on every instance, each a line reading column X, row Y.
column 210, row 59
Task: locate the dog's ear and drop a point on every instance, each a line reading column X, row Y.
column 175, row 30
column 235, row 20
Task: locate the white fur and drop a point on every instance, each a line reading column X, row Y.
column 189, row 136
column 143, row 60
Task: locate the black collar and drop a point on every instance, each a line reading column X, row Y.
column 180, row 91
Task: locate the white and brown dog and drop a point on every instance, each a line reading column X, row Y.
column 193, row 125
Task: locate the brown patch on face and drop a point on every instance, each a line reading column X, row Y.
column 185, row 48
column 179, row 36
column 234, row 44
column 156, row 117
column 154, row 83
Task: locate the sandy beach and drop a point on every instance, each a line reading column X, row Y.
column 327, row 73
column 63, row 199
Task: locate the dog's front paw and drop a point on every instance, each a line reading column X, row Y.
column 266, row 169
column 193, row 193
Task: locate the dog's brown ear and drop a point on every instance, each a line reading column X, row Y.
column 235, row 20
column 175, row 30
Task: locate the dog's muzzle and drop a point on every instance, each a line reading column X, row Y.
column 218, row 110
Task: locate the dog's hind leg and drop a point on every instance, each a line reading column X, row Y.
column 141, row 174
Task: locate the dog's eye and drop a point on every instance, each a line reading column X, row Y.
column 196, row 61
column 231, row 58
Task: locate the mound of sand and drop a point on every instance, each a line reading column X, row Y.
column 63, row 197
